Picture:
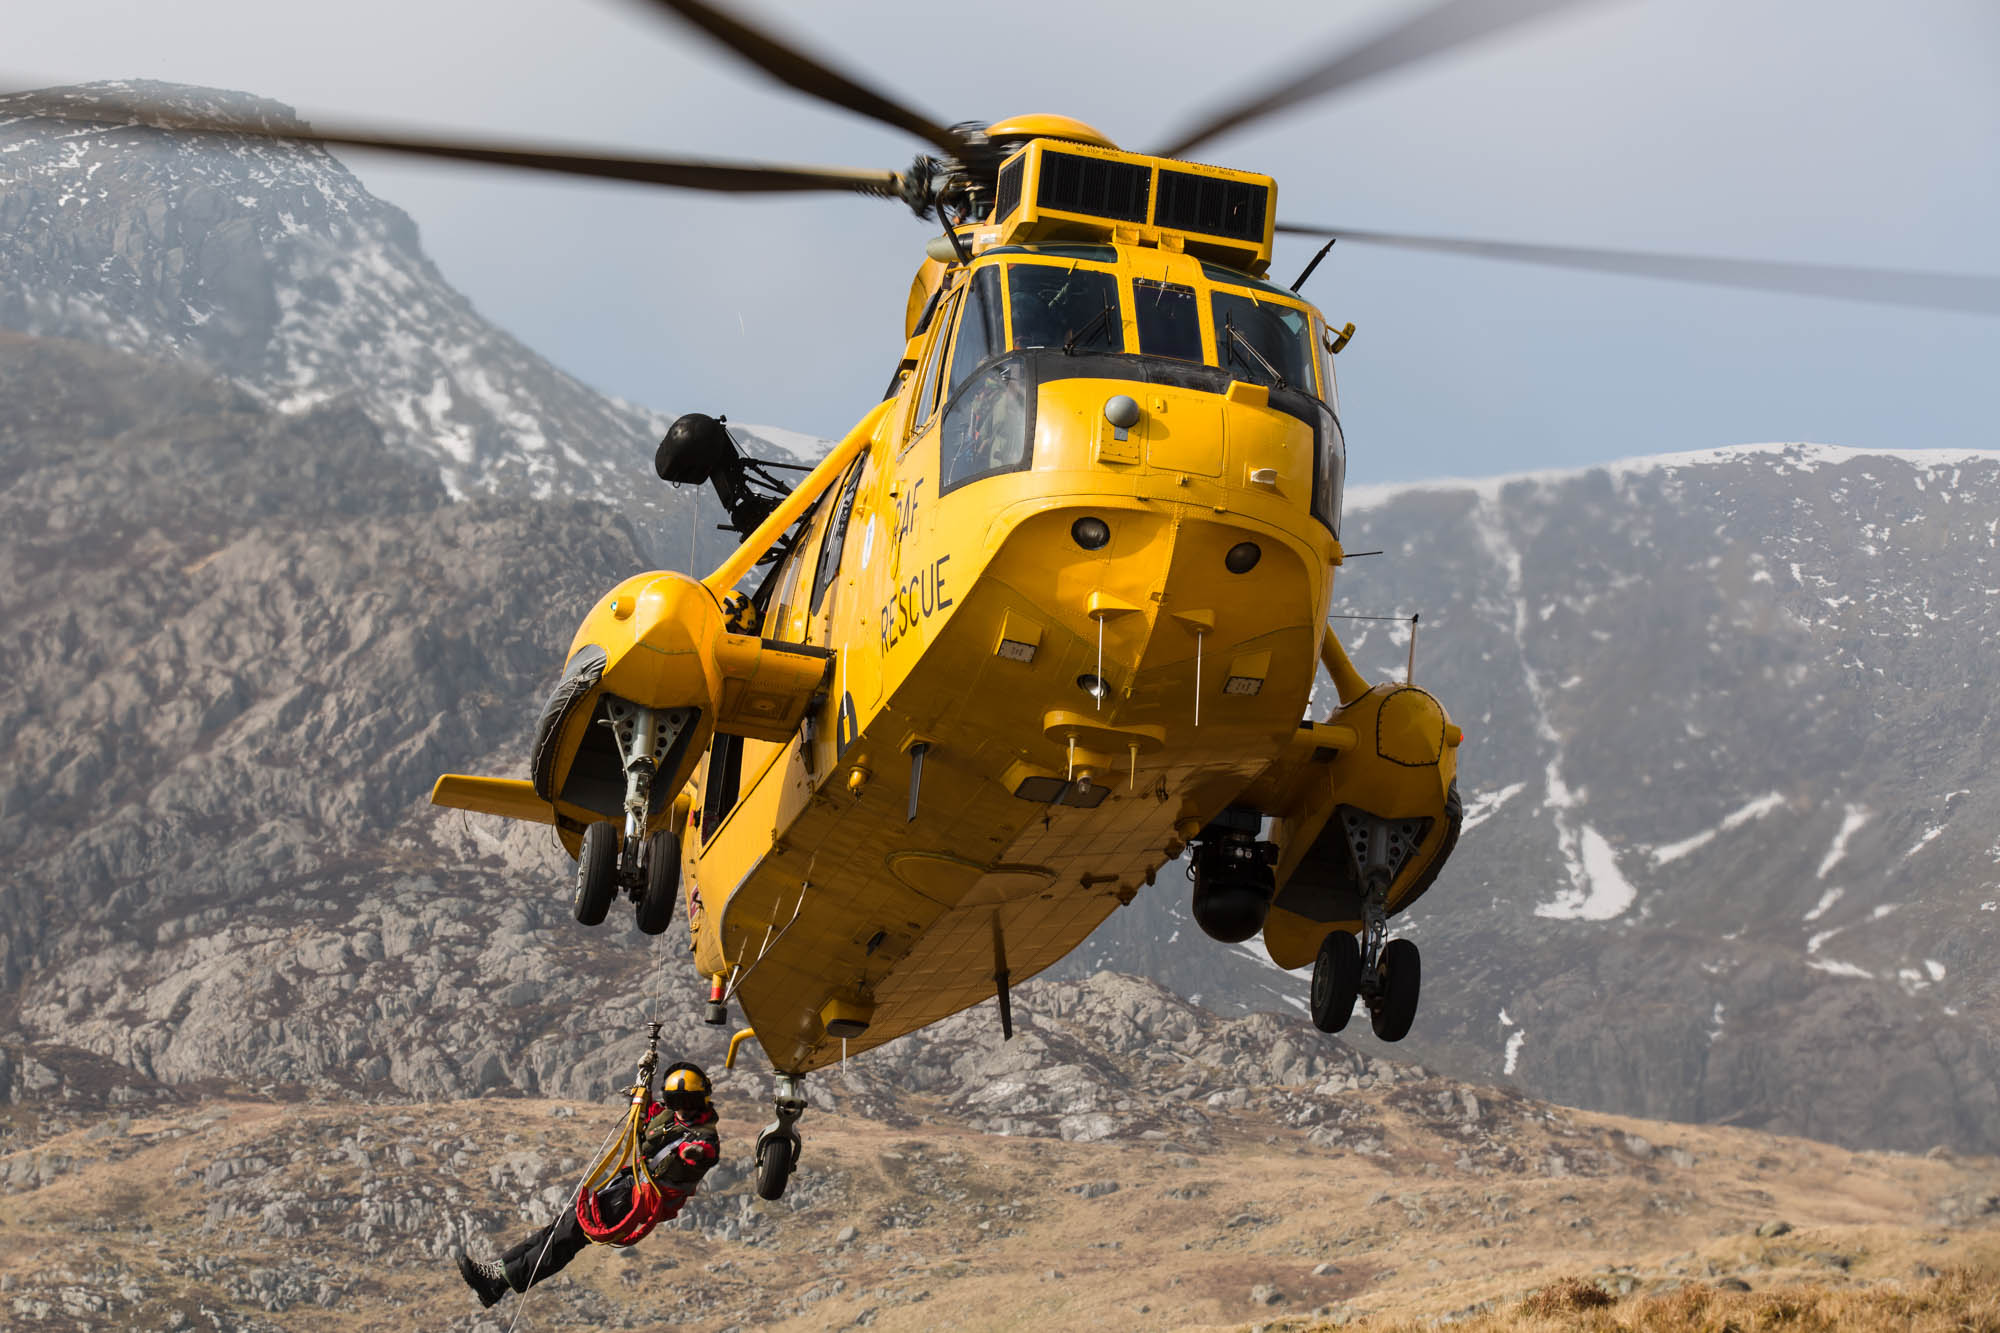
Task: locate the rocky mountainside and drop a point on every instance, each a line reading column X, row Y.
column 1730, row 848
column 238, row 646
column 1733, row 850
column 269, row 263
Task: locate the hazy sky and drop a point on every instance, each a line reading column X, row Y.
column 1841, row 131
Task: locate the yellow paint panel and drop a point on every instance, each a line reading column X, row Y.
column 766, row 686
column 1188, row 439
column 509, row 797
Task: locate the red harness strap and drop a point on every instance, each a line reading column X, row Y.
column 651, row 1202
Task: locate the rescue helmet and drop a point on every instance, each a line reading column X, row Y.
column 684, row 1087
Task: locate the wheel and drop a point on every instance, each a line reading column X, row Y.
column 1336, row 981
column 655, row 909
column 776, row 1157
column 1402, row 973
column 596, row 873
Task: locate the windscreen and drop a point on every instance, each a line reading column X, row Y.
column 979, row 331
column 1169, row 319
column 988, row 426
column 1257, row 340
column 1068, row 307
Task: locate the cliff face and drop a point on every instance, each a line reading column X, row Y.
column 239, row 647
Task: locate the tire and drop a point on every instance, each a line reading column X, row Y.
column 1402, row 973
column 655, row 909
column 779, row 1155
column 1336, row 981
column 596, row 873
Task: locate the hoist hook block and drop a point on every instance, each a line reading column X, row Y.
column 651, row 1059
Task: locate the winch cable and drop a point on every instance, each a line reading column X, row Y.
column 655, row 1023
column 574, row 1195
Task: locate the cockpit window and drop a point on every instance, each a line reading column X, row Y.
column 927, row 401
column 1064, row 306
column 1169, row 319
column 1329, row 388
column 1263, row 342
column 836, row 537
column 1217, row 273
column 980, row 330
column 989, row 425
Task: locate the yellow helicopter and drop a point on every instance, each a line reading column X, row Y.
column 1047, row 618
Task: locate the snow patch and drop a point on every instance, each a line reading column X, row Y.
column 1600, row 892
column 1929, row 836
column 1735, row 819
column 1856, row 816
column 1255, row 948
column 1483, row 805
column 1513, row 1053
column 1840, row 969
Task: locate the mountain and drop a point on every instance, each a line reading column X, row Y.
column 1728, row 852
column 269, row 263
column 1730, row 848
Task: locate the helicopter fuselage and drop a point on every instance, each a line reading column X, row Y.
column 1047, row 618
column 1097, row 635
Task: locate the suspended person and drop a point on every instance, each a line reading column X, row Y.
column 679, row 1143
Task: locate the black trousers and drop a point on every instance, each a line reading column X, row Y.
column 548, row 1251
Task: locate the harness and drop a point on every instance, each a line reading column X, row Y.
column 651, row 1203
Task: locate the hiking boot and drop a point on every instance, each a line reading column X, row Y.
column 487, row 1279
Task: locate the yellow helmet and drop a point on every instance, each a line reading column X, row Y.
column 684, row 1086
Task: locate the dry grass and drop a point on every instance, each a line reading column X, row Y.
column 948, row 1228
column 1958, row 1300
column 1567, row 1296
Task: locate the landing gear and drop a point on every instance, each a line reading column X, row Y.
column 646, row 869
column 1400, row 977
column 775, row 1160
column 596, row 874
column 1386, row 974
column 662, row 871
column 1391, row 971
column 778, row 1142
column 1336, row 983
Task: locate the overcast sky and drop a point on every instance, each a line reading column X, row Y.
column 1841, row 131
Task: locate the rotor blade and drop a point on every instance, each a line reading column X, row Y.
column 681, row 173
column 1438, row 29
column 793, row 67
column 1971, row 293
